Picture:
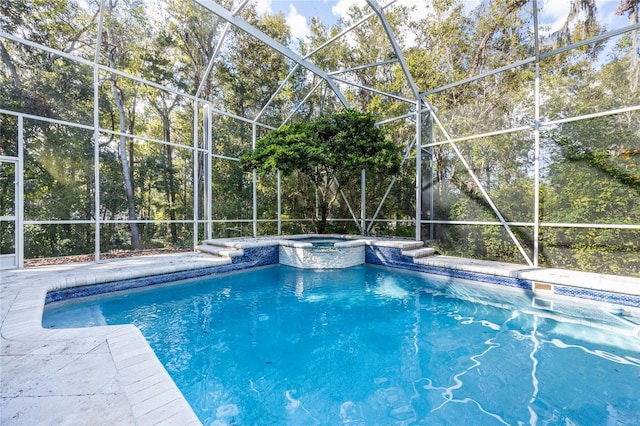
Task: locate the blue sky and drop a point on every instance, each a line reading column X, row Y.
column 299, row 12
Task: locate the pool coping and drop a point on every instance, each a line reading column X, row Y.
column 110, row 374
column 102, row 375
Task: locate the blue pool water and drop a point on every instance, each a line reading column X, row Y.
column 321, row 243
column 375, row 346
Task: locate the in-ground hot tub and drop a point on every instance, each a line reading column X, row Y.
column 322, row 253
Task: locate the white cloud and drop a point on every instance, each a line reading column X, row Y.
column 420, row 11
column 606, row 11
column 553, row 14
column 341, row 9
column 298, row 24
column 264, row 6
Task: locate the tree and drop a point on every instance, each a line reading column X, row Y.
column 58, row 170
column 250, row 72
column 329, row 151
column 115, row 45
column 161, row 69
column 453, row 44
column 632, row 9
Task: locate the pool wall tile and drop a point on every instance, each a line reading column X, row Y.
column 265, row 255
column 393, row 257
column 112, row 286
column 253, row 257
column 258, row 256
column 311, row 258
column 600, row 296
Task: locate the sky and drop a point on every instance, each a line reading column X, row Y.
column 554, row 13
column 298, row 13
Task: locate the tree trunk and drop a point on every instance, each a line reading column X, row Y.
column 6, row 58
column 170, row 190
column 126, row 173
column 122, row 148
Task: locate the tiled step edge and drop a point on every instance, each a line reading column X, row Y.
column 219, row 251
column 418, row 253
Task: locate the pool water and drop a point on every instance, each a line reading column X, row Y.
column 375, row 346
column 324, row 243
column 321, row 242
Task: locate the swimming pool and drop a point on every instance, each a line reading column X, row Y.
column 369, row 345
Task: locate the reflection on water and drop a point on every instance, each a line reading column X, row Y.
column 369, row 345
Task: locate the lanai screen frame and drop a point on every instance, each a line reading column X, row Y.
column 421, row 110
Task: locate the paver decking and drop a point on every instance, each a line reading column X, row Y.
column 98, row 376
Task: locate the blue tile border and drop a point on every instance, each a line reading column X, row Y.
column 130, row 284
column 393, row 257
column 253, row 257
column 598, row 295
column 257, row 256
column 376, row 255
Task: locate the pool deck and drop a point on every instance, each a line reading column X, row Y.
column 98, row 376
column 109, row 375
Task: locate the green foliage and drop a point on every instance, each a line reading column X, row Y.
column 339, row 145
column 325, row 150
column 250, row 72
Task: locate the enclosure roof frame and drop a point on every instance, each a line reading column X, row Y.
column 264, row 38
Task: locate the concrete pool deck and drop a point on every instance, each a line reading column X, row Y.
column 99, row 376
column 109, row 375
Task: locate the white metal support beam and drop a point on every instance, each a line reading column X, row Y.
column 208, row 203
column 371, row 89
column 396, row 47
column 387, row 27
column 536, row 138
column 344, row 197
column 278, row 90
column 431, row 180
column 19, row 175
column 363, row 202
column 364, row 67
column 196, row 175
column 251, row 30
column 305, row 57
column 536, row 58
column 301, row 103
column 484, row 193
column 279, row 196
column 393, row 181
column 254, row 183
column 345, row 31
column 418, row 170
column 217, row 50
column 96, row 133
column 317, row 49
